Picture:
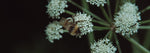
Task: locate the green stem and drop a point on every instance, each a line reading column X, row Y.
column 144, row 22
column 96, row 21
column 133, row 1
column 146, row 42
column 90, row 35
column 109, row 10
column 117, row 6
column 91, row 38
column 145, row 9
column 69, row 12
column 108, row 33
column 118, row 45
column 85, row 4
column 111, row 35
column 135, row 49
column 100, row 28
column 144, row 27
column 138, row 45
column 105, row 14
column 85, row 10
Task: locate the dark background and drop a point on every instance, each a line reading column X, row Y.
column 26, row 21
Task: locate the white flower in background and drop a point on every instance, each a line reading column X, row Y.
column 103, row 46
column 56, row 7
column 53, row 31
column 126, row 20
column 97, row 2
column 83, row 21
column 129, row 8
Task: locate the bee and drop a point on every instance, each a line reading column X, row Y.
column 70, row 25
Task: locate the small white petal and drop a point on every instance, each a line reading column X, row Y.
column 56, row 7
column 53, row 31
column 126, row 20
column 103, row 46
column 97, row 2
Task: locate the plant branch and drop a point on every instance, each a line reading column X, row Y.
column 118, row 45
column 96, row 21
column 146, row 42
column 85, row 10
column 137, row 45
column 144, row 22
column 145, row 9
column 91, row 38
column 117, row 6
column 133, row 1
column 105, row 14
column 85, row 4
column 109, row 10
column 69, row 12
column 108, row 33
column 100, row 28
column 144, row 27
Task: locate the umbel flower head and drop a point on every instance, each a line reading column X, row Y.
column 97, row 2
column 56, row 7
column 53, row 31
column 103, row 46
column 126, row 20
column 83, row 21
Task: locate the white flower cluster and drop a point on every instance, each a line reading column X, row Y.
column 83, row 21
column 103, row 46
column 53, row 31
column 126, row 20
column 97, row 2
column 56, row 7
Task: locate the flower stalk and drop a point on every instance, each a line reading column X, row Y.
column 90, row 35
column 146, row 42
column 69, row 12
column 109, row 10
column 85, row 10
column 137, row 45
column 100, row 28
column 144, row 27
column 145, row 9
column 117, row 6
column 105, row 14
column 91, row 38
column 144, row 22
column 96, row 21
column 117, row 43
column 108, row 34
